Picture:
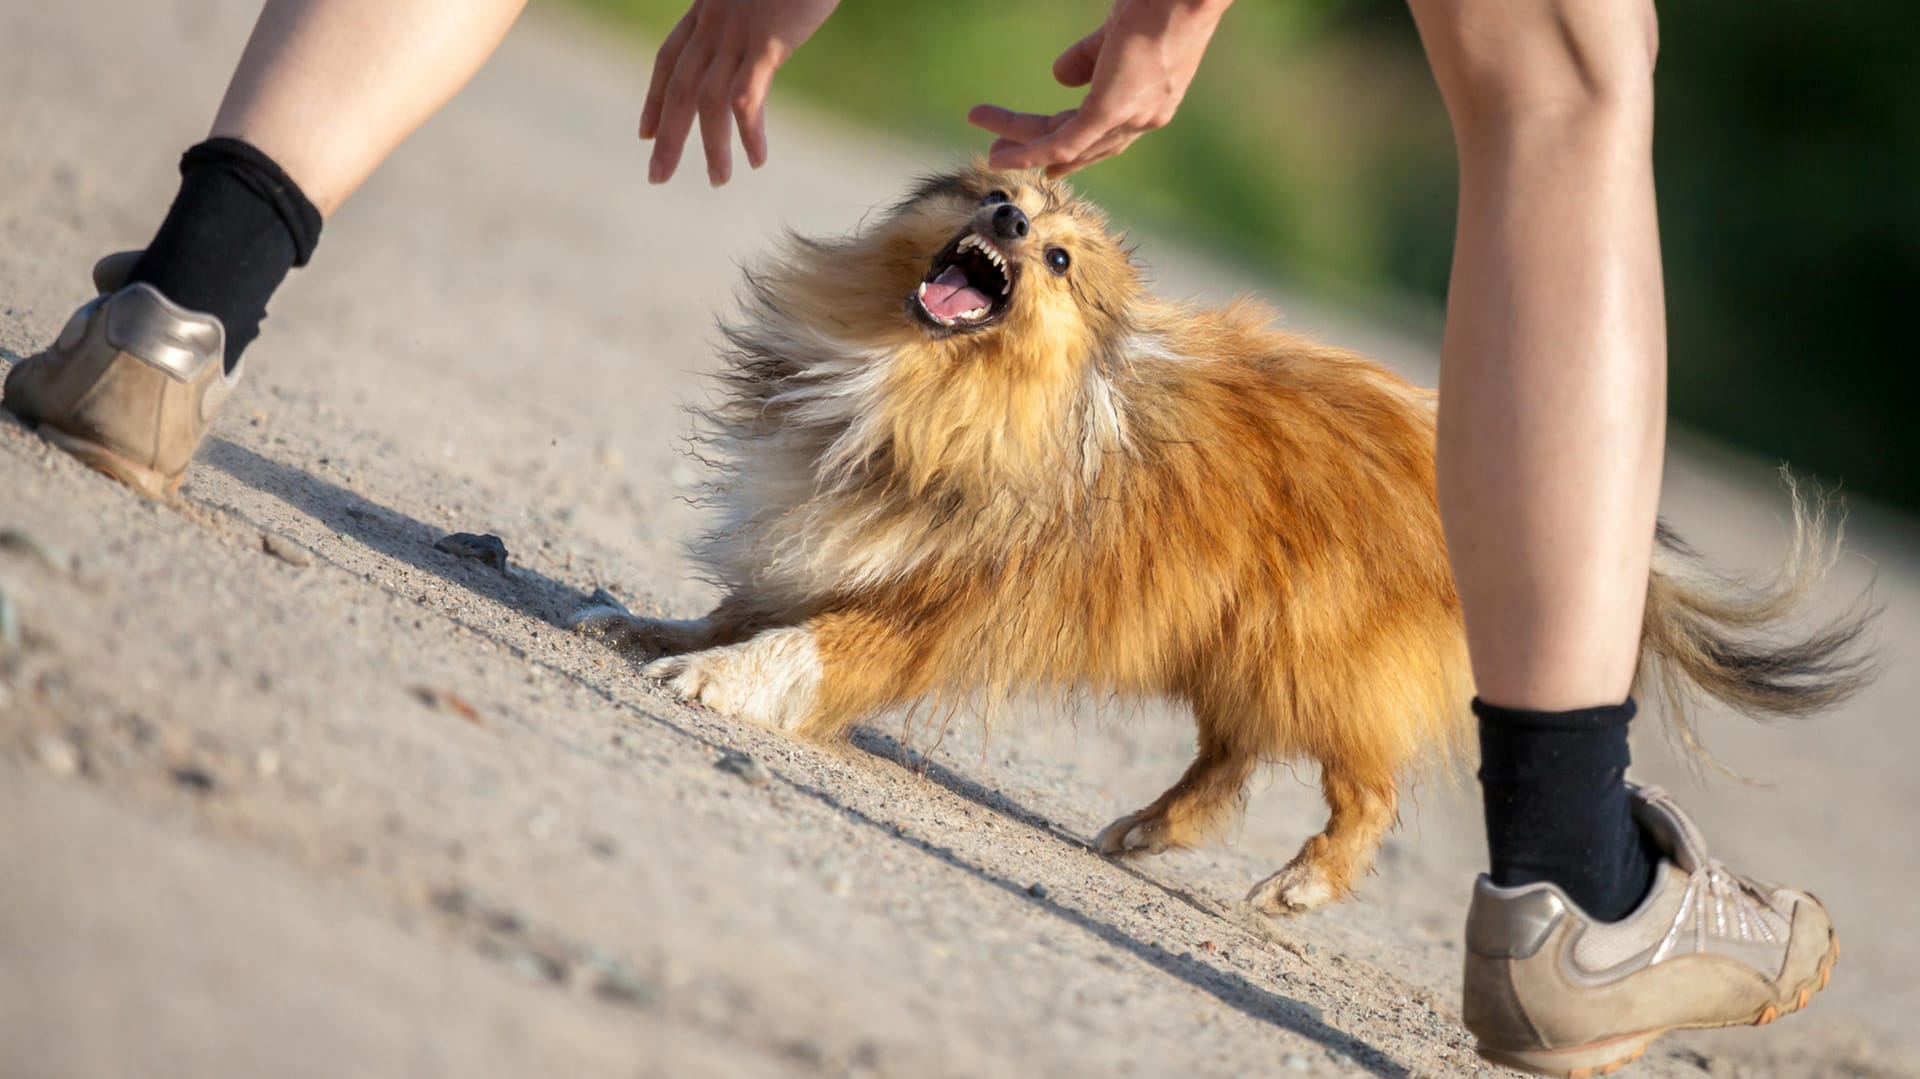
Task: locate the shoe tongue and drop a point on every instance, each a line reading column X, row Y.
column 949, row 294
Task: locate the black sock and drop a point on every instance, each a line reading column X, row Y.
column 1554, row 786
column 237, row 226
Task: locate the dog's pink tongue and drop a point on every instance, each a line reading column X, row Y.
column 949, row 295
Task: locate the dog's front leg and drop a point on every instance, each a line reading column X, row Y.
column 814, row 679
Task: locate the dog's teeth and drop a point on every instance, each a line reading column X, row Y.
column 1006, row 288
column 923, row 290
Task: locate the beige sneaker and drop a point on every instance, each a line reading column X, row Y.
column 1551, row 991
column 131, row 385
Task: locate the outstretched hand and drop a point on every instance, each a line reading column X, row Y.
column 717, row 64
column 1137, row 67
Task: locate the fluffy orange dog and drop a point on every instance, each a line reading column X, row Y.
column 965, row 453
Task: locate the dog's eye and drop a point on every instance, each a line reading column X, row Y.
column 1058, row 260
column 995, row 196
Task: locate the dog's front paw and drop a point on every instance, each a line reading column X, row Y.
column 1301, row 887
column 772, row 680
column 627, row 632
column 1133, row 834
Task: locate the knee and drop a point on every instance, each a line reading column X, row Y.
column 1574, row 62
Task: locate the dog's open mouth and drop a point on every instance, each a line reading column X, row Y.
column 968, row 287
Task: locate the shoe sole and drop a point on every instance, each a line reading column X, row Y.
column 1607, row 1057
column 146, row 482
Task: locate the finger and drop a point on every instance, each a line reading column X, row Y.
column 1110, row 147
column 1075, row 66
column 663, row 65
column 677, row 112
column 716, row 120
column 751, row 84
column 1074, row 137
column 1018, row 126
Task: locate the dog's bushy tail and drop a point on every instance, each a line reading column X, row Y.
column 1735, row 640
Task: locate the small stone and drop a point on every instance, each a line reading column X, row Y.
column 746, row 767
column 486, row 548
column 266, row 763
column 535, row 967
column 448, row 701
column 13, row 539
column 285, row 549
column 1294, row 1062
column 617, row 983
column 9, row 622
column 1037, row 890
column 57, row 755
column 197, row 780
column 504, row 921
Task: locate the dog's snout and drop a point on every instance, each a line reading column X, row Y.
column 1009, row 223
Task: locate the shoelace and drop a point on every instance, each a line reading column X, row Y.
column 1738, row 907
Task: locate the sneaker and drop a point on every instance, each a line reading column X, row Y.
column 1551, row 991
column 131, row 385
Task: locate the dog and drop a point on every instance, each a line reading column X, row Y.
column 964, row 453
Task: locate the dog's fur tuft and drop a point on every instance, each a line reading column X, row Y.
column 1088, row 486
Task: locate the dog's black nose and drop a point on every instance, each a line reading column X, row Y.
column 1009, row 223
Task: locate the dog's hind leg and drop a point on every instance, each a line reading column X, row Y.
column 1362, row 803
column 733, row 620
column 813, row 679
column 1210, row 795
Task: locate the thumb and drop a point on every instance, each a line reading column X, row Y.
column 1075, row 66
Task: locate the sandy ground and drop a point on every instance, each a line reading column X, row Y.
column 369, row 812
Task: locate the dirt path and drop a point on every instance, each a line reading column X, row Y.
column 373, row 814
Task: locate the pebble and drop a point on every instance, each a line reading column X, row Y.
column 535, row 967
column 9, row 622
column 1037, row 890
column 487, row 548
column 617, row 983
column 57, row 755
column 13, row 539
column 266, row 763
column 745, row 766
column 197, row 780
column 285, row 549
column 1294, row 1062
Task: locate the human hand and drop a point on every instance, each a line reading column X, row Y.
column 1138, row 64
column 717, row 64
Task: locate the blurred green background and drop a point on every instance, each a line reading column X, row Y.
column 1787, row 153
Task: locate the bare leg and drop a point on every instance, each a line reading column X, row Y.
column 1553, row 380
column 328, row 88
